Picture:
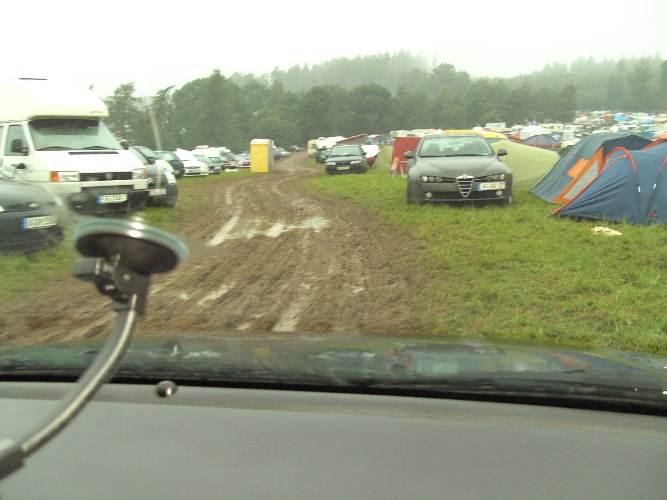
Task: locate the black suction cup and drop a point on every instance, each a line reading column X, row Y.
column 139, row 248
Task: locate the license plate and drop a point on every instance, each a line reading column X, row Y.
column 343, row 168
column 37, row 222
column 488, row 186
column 111, row 198
column 157, row 191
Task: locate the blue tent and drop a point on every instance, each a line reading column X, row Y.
column 632, row 187
column 577, row 168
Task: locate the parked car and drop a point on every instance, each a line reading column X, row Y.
column 175, row 162
column 30, row 216
column 346, row 160
column 162, row 187
column 212, row 163
column 279, row 153
column 240, row 160
column 193, row 166
column 457, row 168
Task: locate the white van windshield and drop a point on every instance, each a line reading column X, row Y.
column 71, row 133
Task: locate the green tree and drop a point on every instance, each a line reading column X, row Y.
column 323, row 111
column 124, row 113
column 371, row 110
column 413, row 110
column 162, row 114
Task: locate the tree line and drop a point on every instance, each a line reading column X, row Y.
column 285, row 107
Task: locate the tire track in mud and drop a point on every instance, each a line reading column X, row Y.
column 285, row 259
column 267, row 255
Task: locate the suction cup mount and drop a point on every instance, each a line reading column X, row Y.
column 121, row 255
column 119, row 258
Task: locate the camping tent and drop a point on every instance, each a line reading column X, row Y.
column 544, row 141
column 631, row 187
column 583, row 161
column 529, row 164
column 532, row 130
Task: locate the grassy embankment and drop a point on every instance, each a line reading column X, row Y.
column 517, row 273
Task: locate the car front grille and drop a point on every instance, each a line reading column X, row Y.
column 106, row 176
column 464, row 183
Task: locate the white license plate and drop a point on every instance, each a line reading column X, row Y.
column 342, row 168
column 157, row 191
column 488, row 186
column 111, row 198
column 37, row 222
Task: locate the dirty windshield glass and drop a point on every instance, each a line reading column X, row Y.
column 525, row 236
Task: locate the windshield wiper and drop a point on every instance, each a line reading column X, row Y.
column 53, row 148
column 96, row 147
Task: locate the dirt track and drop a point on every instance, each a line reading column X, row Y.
column 268, row 256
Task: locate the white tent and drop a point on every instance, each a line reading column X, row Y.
column 532, row 130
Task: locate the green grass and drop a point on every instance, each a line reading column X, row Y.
column 517, row 273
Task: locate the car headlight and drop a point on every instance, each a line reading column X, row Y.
column 355, row 162
column 496, row 177
column 140, row 173
column 65, row 176
column 2, row 209
column 331, row 164
column 424, row 178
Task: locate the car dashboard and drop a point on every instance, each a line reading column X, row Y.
column 135, row 441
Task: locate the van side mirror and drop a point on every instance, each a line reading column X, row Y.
column 409, row 154
column 19, row 148
column 502, row 152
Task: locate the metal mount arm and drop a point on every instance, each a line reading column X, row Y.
column 120, row 257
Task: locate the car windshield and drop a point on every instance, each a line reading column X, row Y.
column 506, row 235
column 344, row 151
column 69, row 133
column 455, row 146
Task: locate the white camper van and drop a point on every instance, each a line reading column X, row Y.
column 52, row 134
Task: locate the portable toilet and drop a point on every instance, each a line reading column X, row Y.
column 261, row 155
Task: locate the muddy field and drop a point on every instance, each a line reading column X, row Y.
column 266, row 255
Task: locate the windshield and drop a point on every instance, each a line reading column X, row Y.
column 345, row 151
column 510, row 229
column 71, row 133
column 455, row 146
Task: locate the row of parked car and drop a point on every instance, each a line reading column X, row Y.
column 202, row 162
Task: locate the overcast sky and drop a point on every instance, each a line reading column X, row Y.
column 158, row 44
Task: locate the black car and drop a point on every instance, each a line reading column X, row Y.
column 457, row 168
column 162, row 188
column 30, row 217
column 346, row 160
column 173, row 160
